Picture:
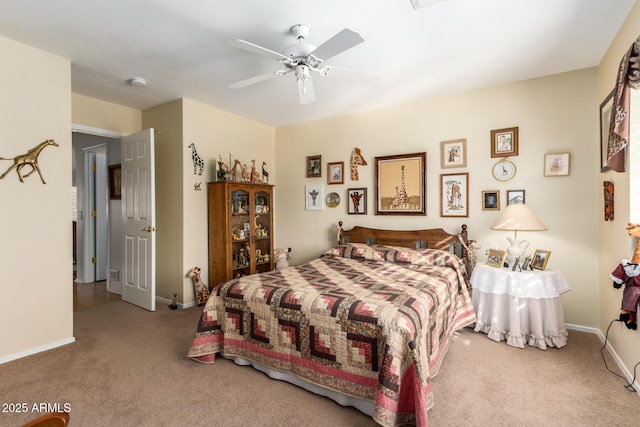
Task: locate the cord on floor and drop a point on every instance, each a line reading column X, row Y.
column 628, row 385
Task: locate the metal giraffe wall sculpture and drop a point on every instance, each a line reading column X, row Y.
column 28, row 159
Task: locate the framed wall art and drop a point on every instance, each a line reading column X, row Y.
column 454, row 195
column 115, row 182
column 503, row 170
column 556, row 164
column 313, row 197
column 335, row 173
column 605, row 117
column 314, row 166
column 504, row 142
column 453, row 154
column 491, row 200
column 400, row 184
column 515, row 197
column 357, row 201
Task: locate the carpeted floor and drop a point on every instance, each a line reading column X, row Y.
column 128, row 368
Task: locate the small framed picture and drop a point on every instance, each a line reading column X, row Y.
column 357, row 200
column 495, row 258
column 504, row 142
column 115, row 182
column 335, row 173
column 453, row 154
column 314, row 166
column 540, row 259
column 454, row 195
column 313, row 197
column 556, row 164
column 491, row 200
column 515, row 197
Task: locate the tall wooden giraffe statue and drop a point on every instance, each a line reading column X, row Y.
column 356, row 160
column 28, row 159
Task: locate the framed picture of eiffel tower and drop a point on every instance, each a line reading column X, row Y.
column 400, row 184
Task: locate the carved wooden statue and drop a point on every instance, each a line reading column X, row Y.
column 28, row 159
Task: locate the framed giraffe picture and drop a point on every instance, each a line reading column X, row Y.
column 357, row 200
column 454, row 194
column 400, row 184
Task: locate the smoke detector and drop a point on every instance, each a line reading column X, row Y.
column 137, row 82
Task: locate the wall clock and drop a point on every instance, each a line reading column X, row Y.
column 504, row 170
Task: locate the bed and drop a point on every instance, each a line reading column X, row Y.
column 366, row 324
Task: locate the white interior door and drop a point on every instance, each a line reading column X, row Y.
column 138, row 220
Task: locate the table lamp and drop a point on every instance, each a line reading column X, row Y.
column 518, row 217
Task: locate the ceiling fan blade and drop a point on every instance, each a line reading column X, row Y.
column 254, row 48
column 345, row 39
column 305, row 91
column 253, row 80
column 351, row 74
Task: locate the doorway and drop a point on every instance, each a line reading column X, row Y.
column 92, row 221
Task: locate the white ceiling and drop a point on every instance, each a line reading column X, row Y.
column 179, row 47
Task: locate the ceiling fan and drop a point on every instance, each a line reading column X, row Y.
column 301, row 58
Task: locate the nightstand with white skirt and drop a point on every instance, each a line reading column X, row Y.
column 521, row 307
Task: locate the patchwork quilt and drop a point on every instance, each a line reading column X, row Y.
column 372, row 322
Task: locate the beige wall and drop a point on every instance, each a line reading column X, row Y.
column 614, row 242
column 181, row 209
column 554, row 114
column 35, row 219
column 100, row 114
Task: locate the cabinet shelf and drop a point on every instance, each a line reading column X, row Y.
column 232, row 208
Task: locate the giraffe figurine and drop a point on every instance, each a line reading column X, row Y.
column 628, row 274
column 28, row 159
column 356, row 160
column 401, row 200
column 198, row 162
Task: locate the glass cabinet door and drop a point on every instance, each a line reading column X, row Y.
column 241, row 233
column 262, row 231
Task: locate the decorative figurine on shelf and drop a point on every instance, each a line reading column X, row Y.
column 222, row 174
column 255, row 176
column 246, row 173
column 28, row 159
column 281, row 256
column 265, row 174
column 198, row 162
column 174, row 302
column 627, row 273
column 202, row 291
column 356, row 160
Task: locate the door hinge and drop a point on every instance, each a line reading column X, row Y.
column 94, row 260
column 94, row 214
column 93, row 166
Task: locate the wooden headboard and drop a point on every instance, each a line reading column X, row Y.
column 434, row 238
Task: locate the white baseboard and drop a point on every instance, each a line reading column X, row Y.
column 628, row 375
column 180, row 305
column 35, row 350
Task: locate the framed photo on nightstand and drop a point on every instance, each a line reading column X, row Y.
column 495, row 258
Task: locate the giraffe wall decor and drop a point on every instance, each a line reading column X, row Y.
column 356, row 160
column 28, row 159
column 198, row 162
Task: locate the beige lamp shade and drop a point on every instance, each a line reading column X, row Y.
column 518, row 217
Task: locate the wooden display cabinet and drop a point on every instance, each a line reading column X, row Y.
column 240, row 230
